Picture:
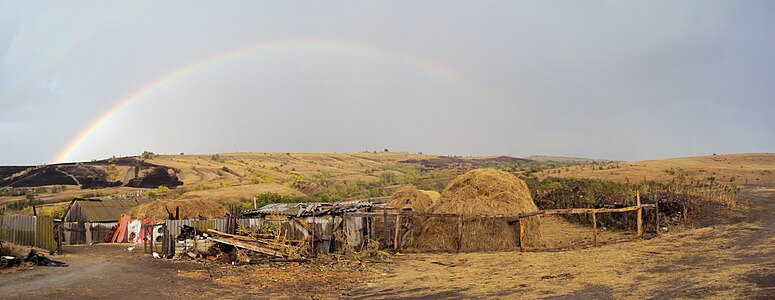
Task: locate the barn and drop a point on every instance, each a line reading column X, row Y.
column 89, row 220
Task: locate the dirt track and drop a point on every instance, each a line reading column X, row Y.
column 721, row 261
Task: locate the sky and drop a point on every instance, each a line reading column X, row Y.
column 624, row 80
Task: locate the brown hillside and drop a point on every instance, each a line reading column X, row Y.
column 751, row 169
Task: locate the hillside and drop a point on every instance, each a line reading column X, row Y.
column 750, row 169
column 224, row 177
column 566, row 159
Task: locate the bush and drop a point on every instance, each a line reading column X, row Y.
column 147, row 155
column 217, row 158
column 269, row 198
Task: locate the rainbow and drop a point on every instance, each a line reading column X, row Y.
column 244, row 51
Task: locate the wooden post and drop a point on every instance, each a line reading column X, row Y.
column 640, row 216
column 686, row 217
column 177, row 212
column 396, row 241
column 656, row 216
column 312, row 242
column 521, row 234
column 594, row 228
column 385, row 224
column 459, row 232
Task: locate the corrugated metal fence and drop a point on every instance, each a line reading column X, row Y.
column 28, row 231
column 174, row 226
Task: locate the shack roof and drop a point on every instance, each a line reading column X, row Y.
column 100, row 210
column 306, row 209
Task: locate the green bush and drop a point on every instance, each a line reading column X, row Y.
column 147, row 155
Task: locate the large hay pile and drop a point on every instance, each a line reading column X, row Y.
column 435, row 196
column 481, row 191
column 410, row 197
column 189, row 209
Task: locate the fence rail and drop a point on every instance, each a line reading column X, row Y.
column 394, row 234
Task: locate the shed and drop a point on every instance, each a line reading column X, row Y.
column 99, row 210
column 297, row 221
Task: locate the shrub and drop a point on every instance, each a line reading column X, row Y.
column 148, row 155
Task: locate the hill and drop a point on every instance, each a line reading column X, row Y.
column 750, row 169
column 566, row 159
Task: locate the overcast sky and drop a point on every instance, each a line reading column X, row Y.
column 604, row 79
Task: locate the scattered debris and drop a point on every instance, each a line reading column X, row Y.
column 32, row 257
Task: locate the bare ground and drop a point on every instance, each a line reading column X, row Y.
column 729, row 261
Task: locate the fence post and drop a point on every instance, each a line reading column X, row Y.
column 656, row 216
column 594, row 228
column 396, row 245
column 521, row 235
column 640, row 217
column 384, row 223
column 459, row 232
column 312, row 242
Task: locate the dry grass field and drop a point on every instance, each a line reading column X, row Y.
column 203, row 169
column 751, row 169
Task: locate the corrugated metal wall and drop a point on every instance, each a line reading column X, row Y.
column 28, row 231
column 174, row 226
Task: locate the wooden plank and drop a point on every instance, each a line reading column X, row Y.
column 248, row 246
column 640, row 216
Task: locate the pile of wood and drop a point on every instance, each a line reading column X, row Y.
column 267, row 244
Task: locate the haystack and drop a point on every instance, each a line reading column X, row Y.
column 481, row 191
column 410, row 198
column 435, row 196
column 189, row 209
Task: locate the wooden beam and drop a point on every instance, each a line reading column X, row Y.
column 245, row 245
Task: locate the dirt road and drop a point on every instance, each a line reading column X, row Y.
column 721, row 261
column 109, row 271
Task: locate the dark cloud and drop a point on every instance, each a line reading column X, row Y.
column 601, row 79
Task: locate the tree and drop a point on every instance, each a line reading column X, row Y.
column 147, row 155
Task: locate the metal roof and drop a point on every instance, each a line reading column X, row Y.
column 306, row 209
column 100, row 210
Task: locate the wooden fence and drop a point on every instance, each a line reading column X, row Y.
column 28, row 231
column 391, row 230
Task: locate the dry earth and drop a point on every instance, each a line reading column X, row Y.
column 726, row 261
column 749, row 169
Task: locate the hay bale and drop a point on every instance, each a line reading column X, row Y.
column 481, row 191
column 435, row 196
column 189, row 209
column 409, row 197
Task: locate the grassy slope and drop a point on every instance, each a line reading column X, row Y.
column 754, row 169
column 202, row 169
column 204, row 177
